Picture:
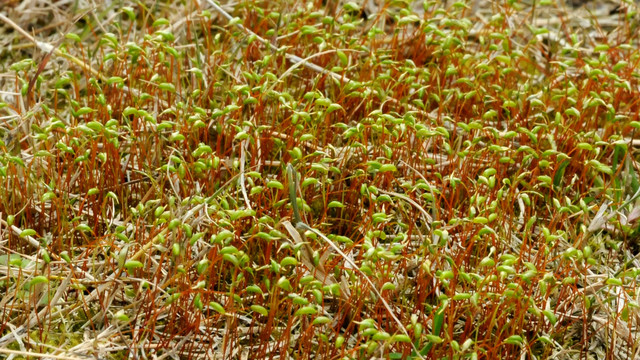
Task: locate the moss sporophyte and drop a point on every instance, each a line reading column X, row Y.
column 405, row 179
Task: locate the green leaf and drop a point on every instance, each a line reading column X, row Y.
column 557, row 178
column 438, row 321
column 619, row 152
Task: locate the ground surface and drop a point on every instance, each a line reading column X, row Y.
column 465, row 176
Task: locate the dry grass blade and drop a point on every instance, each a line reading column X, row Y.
column 36, row 317
column 369, row 282
column 319, row 272
column 293, row 185
column 28, row 354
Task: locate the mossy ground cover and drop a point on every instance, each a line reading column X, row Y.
column 465, row 176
